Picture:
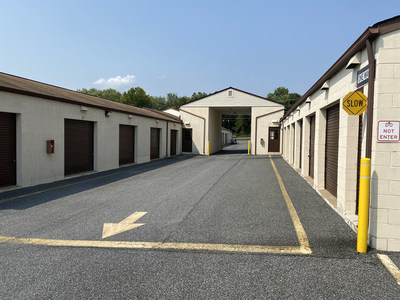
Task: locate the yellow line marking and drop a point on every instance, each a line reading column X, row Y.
column 301, row 233
column 157, row 245
column 390, row 266
column 304, row 247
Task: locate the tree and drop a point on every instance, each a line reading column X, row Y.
column 158, row 103
column 173, row 101
column 109, row 94
column 282, row 95
column 136, row 96
column 198, row 95
column 242, row 125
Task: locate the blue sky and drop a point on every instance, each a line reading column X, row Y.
column 182, row 46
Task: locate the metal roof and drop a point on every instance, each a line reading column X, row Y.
column 18, row 85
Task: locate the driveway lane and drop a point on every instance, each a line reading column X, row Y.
column 327, row 232
column 245, row 206
column 81, row 215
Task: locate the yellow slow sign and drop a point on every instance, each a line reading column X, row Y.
column 355, row 103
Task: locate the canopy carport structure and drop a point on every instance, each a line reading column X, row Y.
column 202, row 121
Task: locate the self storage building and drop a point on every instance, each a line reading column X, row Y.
column 324, row 143
column 47, row 133
column 202, row 121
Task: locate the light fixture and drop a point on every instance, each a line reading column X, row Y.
column 326, row 85
column 107, row 113
column 84, row 108
column 130, row 116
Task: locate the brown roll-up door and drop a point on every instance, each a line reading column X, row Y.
column 294, row 143
column 78, row 146
column 126, row 144
column 186, row 140
column 173, row 142
column 301, row 141
column 7, row 149
column 155, row 143
column 331, row 149
column 312, row 147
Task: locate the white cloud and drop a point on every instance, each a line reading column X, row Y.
column 115, row 82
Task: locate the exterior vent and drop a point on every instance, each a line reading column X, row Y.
column 230, row 93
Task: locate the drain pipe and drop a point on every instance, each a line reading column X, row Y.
column 371, row 89
column 255, row 133
column 204, row 129
column 166, row 146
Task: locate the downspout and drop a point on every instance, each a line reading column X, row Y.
column 166, row 146
column 371, row 88
column 204, row 129
column 255, row 133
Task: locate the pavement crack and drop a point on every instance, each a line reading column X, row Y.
column 200, row 199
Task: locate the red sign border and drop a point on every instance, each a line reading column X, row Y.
column 377, row 132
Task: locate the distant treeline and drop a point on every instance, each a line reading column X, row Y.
column 137, row 96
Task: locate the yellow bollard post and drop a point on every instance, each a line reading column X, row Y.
column 248, row 148
column 208, row 147
column 363, row 205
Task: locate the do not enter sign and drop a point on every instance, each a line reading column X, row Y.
column 355, row 103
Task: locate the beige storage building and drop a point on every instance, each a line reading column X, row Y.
column 324, row 143
column 48, row 133
column 202, row 121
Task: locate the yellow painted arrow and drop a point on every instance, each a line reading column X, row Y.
column 126, row 224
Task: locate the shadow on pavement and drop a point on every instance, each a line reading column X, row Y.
column 24, row 198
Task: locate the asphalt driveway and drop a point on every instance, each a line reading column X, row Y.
column 220, row 200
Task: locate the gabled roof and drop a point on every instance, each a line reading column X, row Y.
column 18, row 85
column 232, row 88
column 370, row 33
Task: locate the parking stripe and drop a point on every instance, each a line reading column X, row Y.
column 303, row 248
column 390, row 266
column 157, row 245
column 301, row 233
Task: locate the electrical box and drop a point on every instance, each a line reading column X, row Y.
column 50, row 146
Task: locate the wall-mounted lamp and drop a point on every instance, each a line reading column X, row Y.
column 84, row 108
column 187, row 123
column 308, row 100
column 326, row 85
column 130, row 116
column 157, row 121
column 107, row 113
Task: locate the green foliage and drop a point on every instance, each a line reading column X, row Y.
column 242, row 126
column 136, row 96
column 239, row 124
column 158, row 103
column 197, row 96
column 282, row 95
column 109, row 94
